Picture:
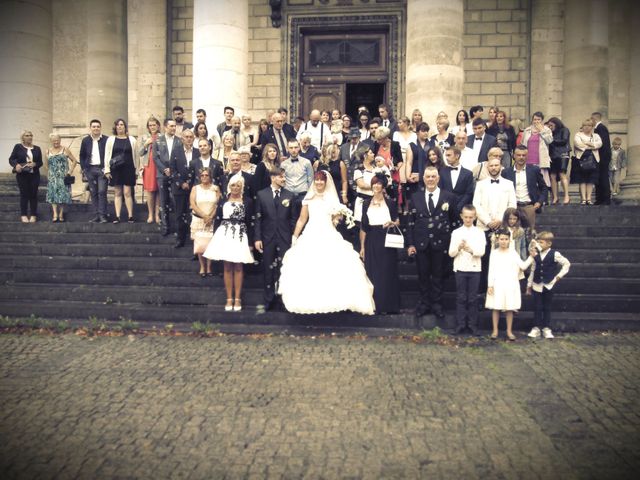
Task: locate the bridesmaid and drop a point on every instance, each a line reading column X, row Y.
column 149, row 170
column 57, row 163
column 381, row 263
column 26, row 160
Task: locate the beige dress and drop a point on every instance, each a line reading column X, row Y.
column 207, row 200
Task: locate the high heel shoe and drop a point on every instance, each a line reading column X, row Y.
column 237, row 306
column 229, row 306
column 567, row 201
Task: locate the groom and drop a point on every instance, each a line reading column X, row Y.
column 276, row 217
column 433, row 213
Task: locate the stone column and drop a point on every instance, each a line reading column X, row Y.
column 586, row 49
column 220, row 56
column 26, row 74
column 106, row 61
column 434, row 57
column 631, row 184
column 147, row 39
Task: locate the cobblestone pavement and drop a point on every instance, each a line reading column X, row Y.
column 241, row 407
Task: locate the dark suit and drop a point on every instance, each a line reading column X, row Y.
column 248, row 183
column 312, row 154
column 536, row 188
column 463, row 191
column 430, row 234
column 603, row 188
column 162, row 158
column 289, row 131
column 488, row 142
column 275, row 223
column 217, row 171
column 393, row 126
column 270, row 137
column 181, row 173
column 94, row 174
column 351, row 163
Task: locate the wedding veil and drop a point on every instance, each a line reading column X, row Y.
column 330, row 193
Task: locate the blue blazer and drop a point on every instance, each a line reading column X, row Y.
column 86, row 150
column 535, row 183
column 464, row 189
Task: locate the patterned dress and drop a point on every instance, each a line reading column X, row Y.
column 57, row 191
column 230, row 241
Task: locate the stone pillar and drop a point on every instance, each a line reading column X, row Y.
column 220, row 56
column 26, row 74
column 586, row 49
column 547, row 30
column 631, row 184
column 106, row 61
column 434, row 57
column 147, row 61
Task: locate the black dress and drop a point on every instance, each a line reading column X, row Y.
column 380, row 262
column 126, row 174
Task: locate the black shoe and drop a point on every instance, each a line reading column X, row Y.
column 195, row 259
column 95, row 219
column 178, row 244
column 460, row 330
column 474, row 332
column 103, row 219
column 131, row 220
column 438, row 313
column 165, row 233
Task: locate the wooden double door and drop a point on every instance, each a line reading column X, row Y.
column 343, row 71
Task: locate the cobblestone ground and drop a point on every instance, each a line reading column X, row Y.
column 241, row 407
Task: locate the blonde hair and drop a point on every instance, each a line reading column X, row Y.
column 494, row 151
column 546, row 236
column 54, row 135
column 327, row 152
column 25, row 132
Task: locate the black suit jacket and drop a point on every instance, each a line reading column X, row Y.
column 289, row 131
column 248, row 183
column 270, row 137
column 464, row 189
column 19, row 155
column 181, row 172
column 488, row 142
column 217, row 171
column 535, row 182
column 605, row 149
column 86, row 150
column 431, row 228
column 276, row 223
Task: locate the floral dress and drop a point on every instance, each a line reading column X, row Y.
column 57, row 191
column 230, row 241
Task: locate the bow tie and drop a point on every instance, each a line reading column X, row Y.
column 478, row 138
column 495, row 181
column 453, row 168
column 294, row 159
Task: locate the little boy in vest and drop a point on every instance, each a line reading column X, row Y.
column 548, row 268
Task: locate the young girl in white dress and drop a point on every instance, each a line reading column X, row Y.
column 503, row 293
column 321, row 272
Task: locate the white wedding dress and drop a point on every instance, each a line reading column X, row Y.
column 322, row 273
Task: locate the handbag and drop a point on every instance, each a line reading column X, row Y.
column 69, row 180
column 588, row 161
column 392, row 239
column 201, row 241
column 116, row 162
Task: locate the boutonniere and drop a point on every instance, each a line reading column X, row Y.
column 285, row 202
column 445, row 206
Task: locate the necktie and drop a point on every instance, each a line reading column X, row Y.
column 282, row 144
column 432, row 207
column 495, row 181
column 386, row 123
column 276, row 198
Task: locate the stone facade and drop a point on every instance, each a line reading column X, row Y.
column 181, row 55
column 496, row 55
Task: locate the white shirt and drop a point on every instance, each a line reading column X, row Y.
column 378, row 214
column 320, row 134
column 170, row 143
column 205, row 162
column 558, row 258
column 435, row 196
column 468, row 158
column 464, row 261
column 455, row 174
column 188, row 154
column 274, row 190
column 95, row 152
column 522, row 192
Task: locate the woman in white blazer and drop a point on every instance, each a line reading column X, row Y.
column 121, row 163
column 585, row 139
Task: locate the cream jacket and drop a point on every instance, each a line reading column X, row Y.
column 108, row 152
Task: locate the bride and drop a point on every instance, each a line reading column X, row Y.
column 321, row 272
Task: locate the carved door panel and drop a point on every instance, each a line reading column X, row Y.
column 323, row 96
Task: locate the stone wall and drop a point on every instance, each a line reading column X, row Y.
column 496, row 59
column 181, row 56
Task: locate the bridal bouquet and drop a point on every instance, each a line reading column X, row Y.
column 342, row 211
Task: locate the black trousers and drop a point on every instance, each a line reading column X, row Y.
column 430, row 262
column 542, row 304
column 183, row 215
column 485, row 261
column 164, row 186
column 603, row 187
column 466, row 295
column 28, row 184
column 272, row 254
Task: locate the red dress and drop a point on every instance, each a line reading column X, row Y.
column 150, row 172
